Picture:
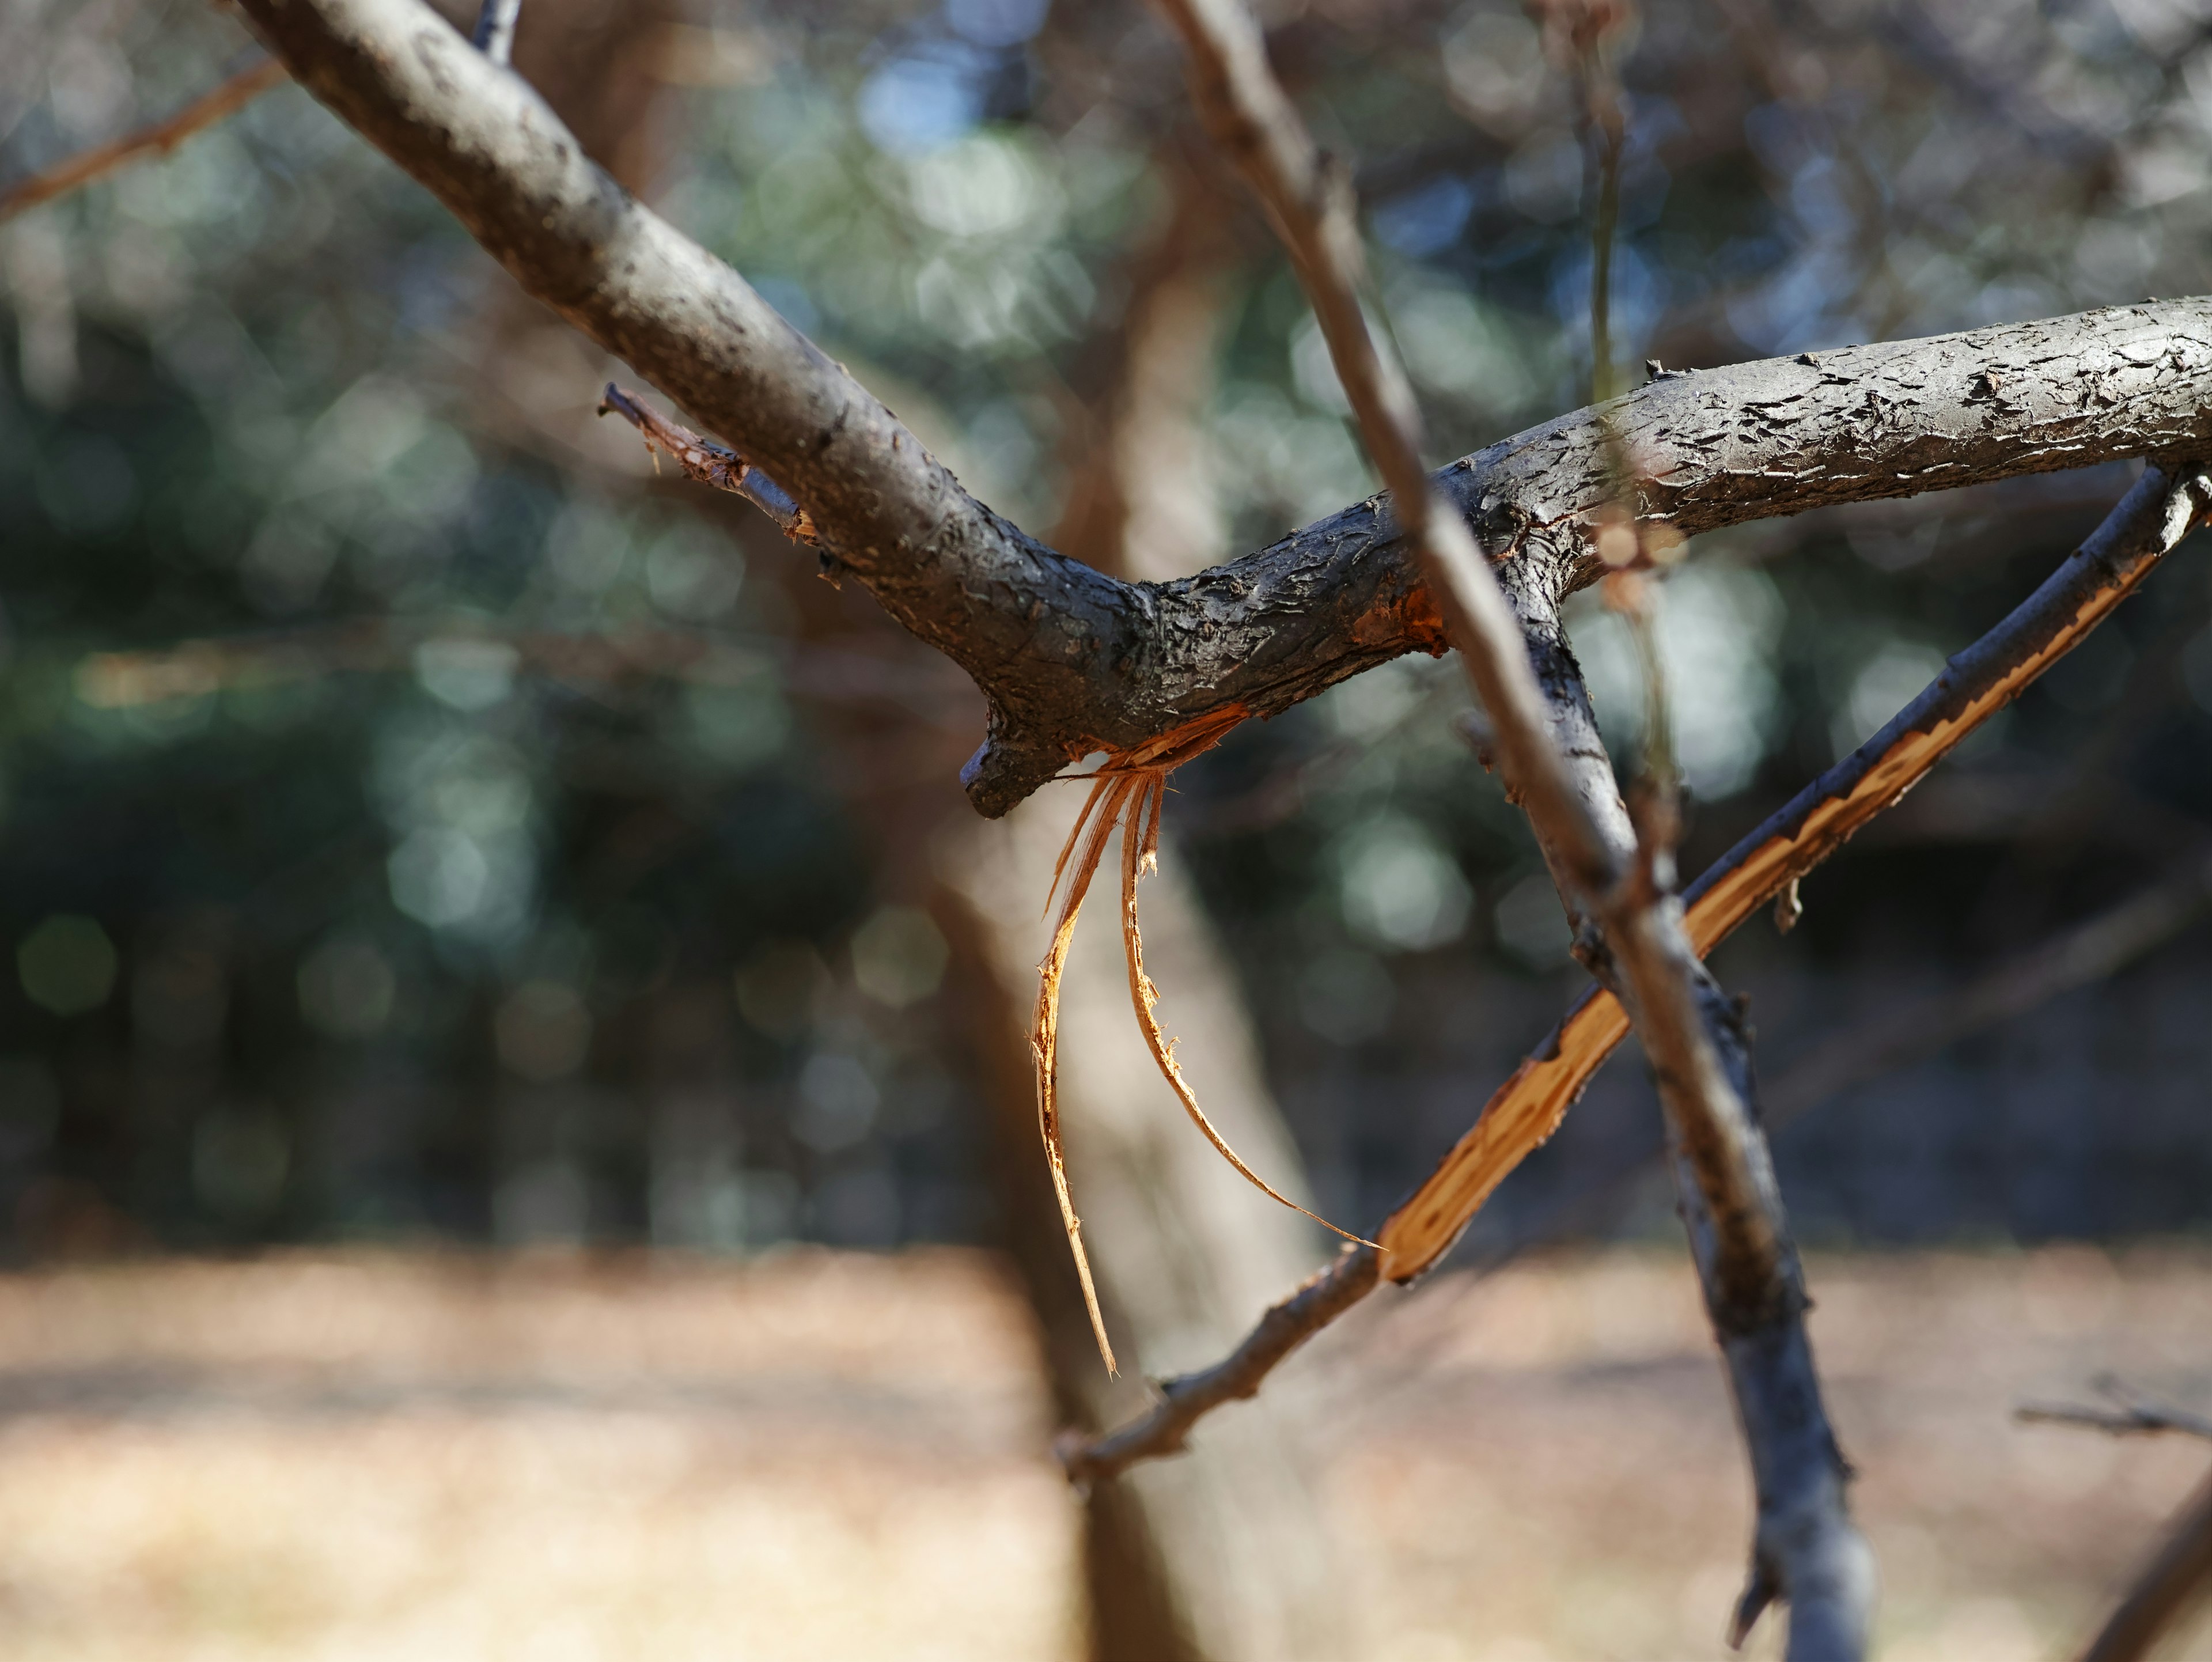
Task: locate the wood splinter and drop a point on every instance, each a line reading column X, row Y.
column 1129, row 792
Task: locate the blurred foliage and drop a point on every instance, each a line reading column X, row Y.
column 396, row 914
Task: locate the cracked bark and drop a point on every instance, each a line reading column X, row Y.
column 1071, row 659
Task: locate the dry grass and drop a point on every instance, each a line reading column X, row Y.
column 823, row 1457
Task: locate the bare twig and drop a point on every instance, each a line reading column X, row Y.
column 2172, row 1580
column 1309, row 198
column 160, row 138
column 495, row 31
column 1189, row 1398
column 711, row 463
column 2132, row 1413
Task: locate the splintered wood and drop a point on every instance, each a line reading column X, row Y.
column 1129, row 792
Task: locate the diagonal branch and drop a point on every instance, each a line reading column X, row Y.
column 2132, row 1414
column 2112, row 562
column 2109, row 565
column 2088, row 953
column 1072, row 661
column 1805, row 1547
column 160, row 138
column 494, row 35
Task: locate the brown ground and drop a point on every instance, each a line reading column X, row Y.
column 818, row 1457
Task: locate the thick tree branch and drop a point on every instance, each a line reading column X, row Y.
column 233, row 95
column 1072, row 661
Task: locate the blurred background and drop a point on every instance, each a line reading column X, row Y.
column 443, row 858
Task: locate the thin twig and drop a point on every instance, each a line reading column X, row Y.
column 2131, row 1414
column 1187, row 1399
column 1308, row 196
column 710, row 463
column 163, row 136
column 495, row 32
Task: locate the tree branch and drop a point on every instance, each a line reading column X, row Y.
column 1806, row 1549
column 2090, row 952
column 495, row 31
column 1072, row 661
column 1188, row 1397
column 2140, row 531
column 163, row 136
column 1527, row 1109
column 2132, row 1414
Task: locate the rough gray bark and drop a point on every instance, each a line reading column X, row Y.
column 1805, row 1547
column 1072, row 661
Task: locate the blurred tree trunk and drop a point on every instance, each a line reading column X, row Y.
column 1223, row 1557
column 1226, row 1554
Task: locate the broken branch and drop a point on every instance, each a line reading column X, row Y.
column 2145, row 526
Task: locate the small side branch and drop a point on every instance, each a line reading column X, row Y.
column 711, row 463
column 1188, row 1397
column 2125, row 1413
column 233, row 95
column 495, row 32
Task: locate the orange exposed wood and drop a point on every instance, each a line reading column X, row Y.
column 1524, row 1113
